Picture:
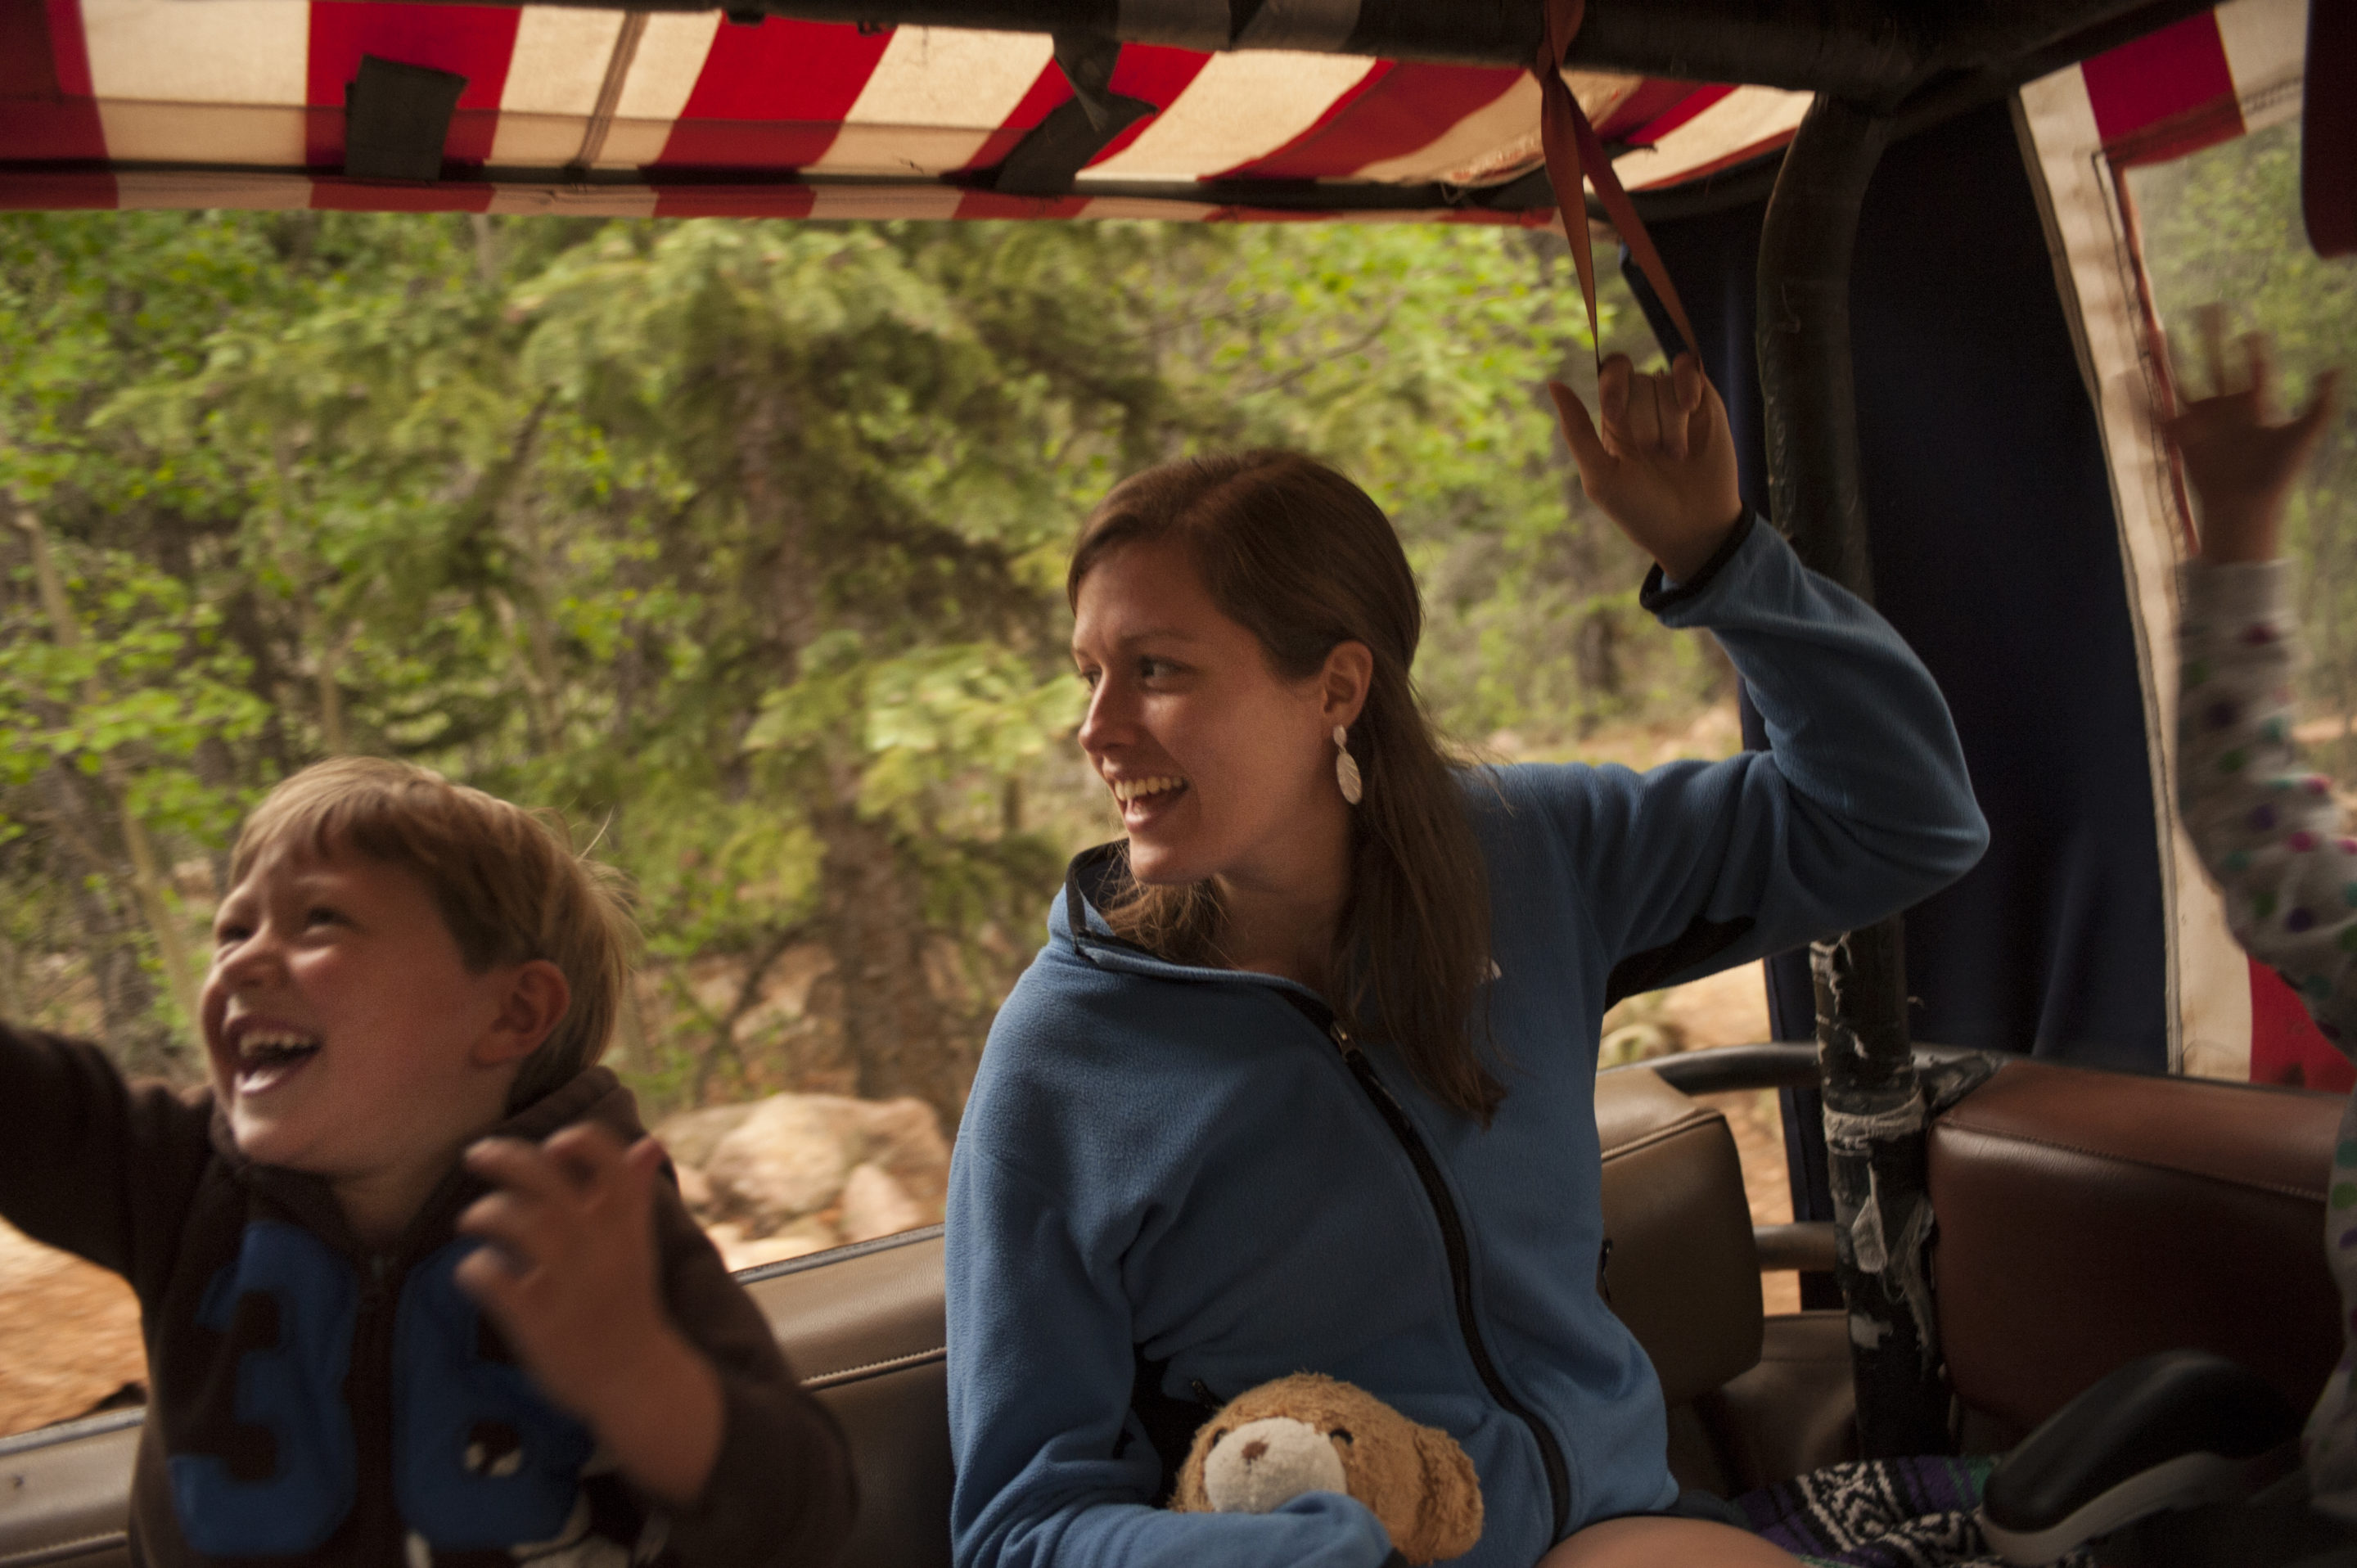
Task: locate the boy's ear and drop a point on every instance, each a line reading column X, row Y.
column 535, row 1003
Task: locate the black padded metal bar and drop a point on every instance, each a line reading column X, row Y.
column 1726, row 1069
column 1806, row 386
column 1807, row 1247
column 1721, row 1069
column 1873, row 1105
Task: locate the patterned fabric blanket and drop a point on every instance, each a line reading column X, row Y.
column 1883, row 1513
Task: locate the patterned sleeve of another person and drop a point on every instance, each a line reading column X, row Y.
column 2282, row 851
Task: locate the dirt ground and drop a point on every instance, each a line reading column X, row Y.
column 69, row 1336
column 70, row 1332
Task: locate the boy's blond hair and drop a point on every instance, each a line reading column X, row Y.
column 506, row 880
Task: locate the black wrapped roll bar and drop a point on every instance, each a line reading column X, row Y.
column 1874, row 1107
column 1730, row 1069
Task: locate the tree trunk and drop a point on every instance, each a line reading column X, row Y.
column 899, row 1037
column 12, row 987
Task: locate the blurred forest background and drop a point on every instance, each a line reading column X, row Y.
column 741, row 543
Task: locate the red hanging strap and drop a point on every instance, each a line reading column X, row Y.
column 1572, row 151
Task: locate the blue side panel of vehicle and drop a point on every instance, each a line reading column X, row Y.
column 293, row 1388
column 480, row 1459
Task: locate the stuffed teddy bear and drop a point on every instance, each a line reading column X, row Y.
column 1311, row 1434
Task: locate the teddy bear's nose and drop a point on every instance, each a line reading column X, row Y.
column 1259, row 1465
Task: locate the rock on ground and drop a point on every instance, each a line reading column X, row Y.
column 855, row 1169
column 690, row 1136
column 874, row 1205
column 783, row 1160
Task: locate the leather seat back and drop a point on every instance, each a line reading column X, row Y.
column 1683, row 1274
column 2089, row 1218
column 863, row 1328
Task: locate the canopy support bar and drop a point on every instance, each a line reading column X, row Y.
column 1873, row 51
column 1874, row 1105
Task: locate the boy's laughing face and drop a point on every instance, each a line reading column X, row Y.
column 346, row 1035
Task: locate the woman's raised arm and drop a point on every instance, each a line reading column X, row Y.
column 1861, row 804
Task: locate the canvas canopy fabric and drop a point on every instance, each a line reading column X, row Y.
column 2229, row 1016
column 138, row 104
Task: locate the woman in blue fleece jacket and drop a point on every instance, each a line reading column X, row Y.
column 1304, row 1078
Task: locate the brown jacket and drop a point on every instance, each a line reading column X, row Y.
column 315, row 1404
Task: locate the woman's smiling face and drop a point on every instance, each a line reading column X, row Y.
column 1220, row 766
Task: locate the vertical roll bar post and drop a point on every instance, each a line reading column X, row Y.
column 1874, row 1106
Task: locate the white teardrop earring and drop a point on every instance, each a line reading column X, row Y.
column 1346, row 766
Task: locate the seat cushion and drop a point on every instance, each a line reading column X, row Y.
column 1795, row 1412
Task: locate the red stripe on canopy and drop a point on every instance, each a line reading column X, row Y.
column 773, row 96
column 1046, row 93
column 769, row 100
column 1653, row 98
column 1687, row 106
column 1410, row 106
column 476, row 41
column 68, row 54
column 2165, row 94
column 1157, row 73
column 47, row 110
column 53, row 190
column 1258, row 168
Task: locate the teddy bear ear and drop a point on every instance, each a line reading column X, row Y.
column 1188, row 1494
column 1451, row 1520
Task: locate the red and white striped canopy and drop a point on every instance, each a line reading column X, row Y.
column 240, row 103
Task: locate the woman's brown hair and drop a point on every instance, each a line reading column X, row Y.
column 1305, row 560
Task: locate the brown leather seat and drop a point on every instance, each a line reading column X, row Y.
column 1683, row 1274
column 2089, row 1218
column 864, row 1326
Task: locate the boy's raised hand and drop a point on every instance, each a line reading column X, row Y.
column 1662, row 464
column 571, row 1278
column 2240, row 466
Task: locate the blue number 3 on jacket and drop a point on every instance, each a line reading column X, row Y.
column 481, row 1460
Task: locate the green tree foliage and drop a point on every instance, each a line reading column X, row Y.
column 741, row 542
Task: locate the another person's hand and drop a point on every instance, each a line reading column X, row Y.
column 1662, row 465
column 2240, row 466
column 571, row 1278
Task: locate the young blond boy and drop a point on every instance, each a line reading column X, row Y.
column 411, row 1289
